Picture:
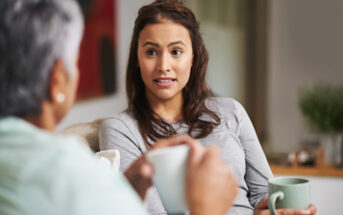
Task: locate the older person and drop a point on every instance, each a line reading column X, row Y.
column 45, row 173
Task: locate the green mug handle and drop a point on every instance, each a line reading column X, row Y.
column 272, row 201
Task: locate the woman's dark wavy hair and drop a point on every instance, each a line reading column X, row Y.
column 196, row 90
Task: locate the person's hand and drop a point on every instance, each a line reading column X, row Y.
column 139, row 175
column 210, row 184
column 262, row 209
column 140, row 172
column 173, row 141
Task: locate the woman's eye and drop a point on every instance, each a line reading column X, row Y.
column 151, row 52
column 176, row 52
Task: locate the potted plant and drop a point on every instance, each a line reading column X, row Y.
column 322, row 108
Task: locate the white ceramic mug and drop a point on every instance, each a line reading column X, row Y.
column 169, row 176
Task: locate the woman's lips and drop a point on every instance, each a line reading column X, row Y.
column 164, row 82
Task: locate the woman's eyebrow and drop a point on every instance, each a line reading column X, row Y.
column 176, row 43
column 151, row 43
column 170, row 44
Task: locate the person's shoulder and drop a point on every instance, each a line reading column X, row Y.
column 119, row 119
column 224, row 105
column 65, row 149
column 57, row 158
column 70, row 143
column 55, row 144
column 70, row 173
column 121, row 122
column 96, row 188
column 73, row 162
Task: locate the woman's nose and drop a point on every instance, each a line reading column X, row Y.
column 164, row 63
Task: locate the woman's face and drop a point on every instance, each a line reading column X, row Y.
column 165, row 58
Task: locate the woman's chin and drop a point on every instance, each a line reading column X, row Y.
column 166, row 96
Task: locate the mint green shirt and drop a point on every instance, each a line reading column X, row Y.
column 44, row 173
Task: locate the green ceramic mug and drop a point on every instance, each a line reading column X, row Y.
column 288, row 192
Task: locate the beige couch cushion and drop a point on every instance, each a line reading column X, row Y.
column 88, row 132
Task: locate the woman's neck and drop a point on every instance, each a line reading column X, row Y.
column 45, row 120
column 170, row 109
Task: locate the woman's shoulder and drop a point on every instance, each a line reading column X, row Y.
column 120, row 119
column 122, row 122
column 224, row 105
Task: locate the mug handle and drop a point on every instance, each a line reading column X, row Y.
column 272, row 201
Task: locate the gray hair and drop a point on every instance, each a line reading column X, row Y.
column 33, row 35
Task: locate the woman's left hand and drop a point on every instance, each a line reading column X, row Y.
column 262, row 209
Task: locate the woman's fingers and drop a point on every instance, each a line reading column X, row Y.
column 139, row 175
column 173, row 141
column 263, row 204
column 196, row 152
column 262, row 209
column 212, row 154
column 311, row 210
column 146, row 170
column 292, row 212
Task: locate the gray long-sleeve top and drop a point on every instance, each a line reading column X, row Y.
column 235, row 137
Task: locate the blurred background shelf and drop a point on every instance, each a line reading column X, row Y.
column 324, row 171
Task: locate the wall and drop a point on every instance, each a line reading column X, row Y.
column 107, row 106
column 223, row 28
column 305, row 46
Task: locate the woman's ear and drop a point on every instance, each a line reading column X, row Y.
column 58, row 83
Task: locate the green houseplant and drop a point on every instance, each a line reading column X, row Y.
column 322, row 108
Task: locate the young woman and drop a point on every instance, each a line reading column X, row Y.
column 168, row 95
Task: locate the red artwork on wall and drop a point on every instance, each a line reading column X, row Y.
column 97, row 51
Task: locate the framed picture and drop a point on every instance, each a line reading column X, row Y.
column 97, row 60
